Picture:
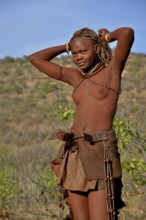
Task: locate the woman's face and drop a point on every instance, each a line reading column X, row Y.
column 84, row 53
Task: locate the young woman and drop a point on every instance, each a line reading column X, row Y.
column 90, row 167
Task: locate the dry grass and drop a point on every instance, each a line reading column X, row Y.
column 29, row 116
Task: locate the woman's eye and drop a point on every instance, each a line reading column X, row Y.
column 83, row 51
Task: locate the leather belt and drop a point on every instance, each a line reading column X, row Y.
column 99, row 136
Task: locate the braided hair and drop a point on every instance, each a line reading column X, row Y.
column 105, row 54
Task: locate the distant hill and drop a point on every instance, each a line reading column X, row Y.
column 30, row 100
column 30, row 105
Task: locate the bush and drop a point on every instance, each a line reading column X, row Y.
column 8, row 184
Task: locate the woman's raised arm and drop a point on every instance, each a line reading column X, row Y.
column 42, row 61
column 124, row 37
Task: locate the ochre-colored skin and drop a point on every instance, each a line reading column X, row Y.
column 95, row 105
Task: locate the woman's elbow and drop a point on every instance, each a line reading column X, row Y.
column 130, row 33
column 31, row 59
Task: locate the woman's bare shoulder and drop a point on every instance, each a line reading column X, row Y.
column 71, row 75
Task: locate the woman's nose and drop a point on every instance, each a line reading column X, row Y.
column 79, row 57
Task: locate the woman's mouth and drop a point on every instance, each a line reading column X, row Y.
column 80, row 64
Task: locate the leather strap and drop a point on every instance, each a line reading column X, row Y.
column 99, row 136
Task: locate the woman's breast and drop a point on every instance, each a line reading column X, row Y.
column 87, row 91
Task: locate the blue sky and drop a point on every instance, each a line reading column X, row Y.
column 27, row 26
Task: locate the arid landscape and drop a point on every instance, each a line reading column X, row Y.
column 32, row 107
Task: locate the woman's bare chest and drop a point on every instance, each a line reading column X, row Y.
column 88, row 89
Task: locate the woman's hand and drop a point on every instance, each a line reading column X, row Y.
column 102, row 32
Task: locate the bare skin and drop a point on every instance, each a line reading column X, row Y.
column 95, row 104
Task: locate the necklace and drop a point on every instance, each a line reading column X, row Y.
column 98, row 67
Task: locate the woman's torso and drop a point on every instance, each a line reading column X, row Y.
column 96, row 100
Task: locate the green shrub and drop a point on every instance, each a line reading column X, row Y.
column 8, row 184
column 48, row 180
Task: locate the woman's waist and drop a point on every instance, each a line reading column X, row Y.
column 92, row 127
column 74, row 134
column 95, row 136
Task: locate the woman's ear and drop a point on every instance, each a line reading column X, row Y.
column 97, row 48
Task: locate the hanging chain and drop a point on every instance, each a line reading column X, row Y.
column 61, row 202
column 110, row 199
